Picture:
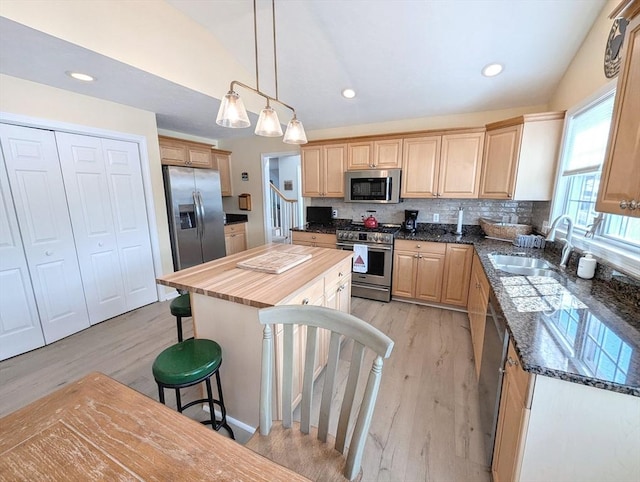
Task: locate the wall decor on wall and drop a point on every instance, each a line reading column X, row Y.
column 245, row 176
column 288, row 185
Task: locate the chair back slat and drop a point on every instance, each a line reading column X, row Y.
column 287, row 376
column 329, row 386
column 266, row 410
column 357, row 356
column 361, row 429
column 307, row 383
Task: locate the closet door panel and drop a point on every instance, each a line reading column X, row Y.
column 82, row 162
column 20, row 329
column 38, row 192
column 122, row 164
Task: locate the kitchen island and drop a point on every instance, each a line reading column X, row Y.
column 225, row 301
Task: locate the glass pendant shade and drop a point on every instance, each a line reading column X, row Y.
column 232, row 112
column 295, row 132
column 268, row 124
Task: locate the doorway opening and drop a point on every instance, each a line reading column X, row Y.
column 282, row 182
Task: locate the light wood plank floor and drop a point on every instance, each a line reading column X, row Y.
column 425, row 427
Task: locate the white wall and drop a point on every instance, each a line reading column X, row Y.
column 24, row 98
column 288, row 171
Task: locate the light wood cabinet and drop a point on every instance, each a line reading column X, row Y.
column 457, row 272
column 512, row 421
column 177, row 152
column 432, row 272
column 418, row 270
column 477, row 309
column 518, row 151
column 235, row 238
column 222, row 161
column 445, row 165
column 375, row 154
column 619, row 191
column 315, row 240
column 323, row 169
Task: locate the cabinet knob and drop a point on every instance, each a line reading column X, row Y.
column 100, row 244
column 418, row 246
column 415, row 255
column 633, row 205
column 623, row 204
column 48, row 253
column 511, row 362
column 340, row 274
column 313, row 237
column 509, row 195
column 305, row 301
column 341, row 288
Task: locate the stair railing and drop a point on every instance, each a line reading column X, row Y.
column 284, row 214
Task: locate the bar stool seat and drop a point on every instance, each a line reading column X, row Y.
column 188, row 363
column 180, row 307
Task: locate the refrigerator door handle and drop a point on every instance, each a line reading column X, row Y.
column 202, row 214
column 196, row 204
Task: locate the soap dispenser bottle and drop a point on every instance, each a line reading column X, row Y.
column 587, row 266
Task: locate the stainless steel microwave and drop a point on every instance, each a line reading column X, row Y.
column 372, row 186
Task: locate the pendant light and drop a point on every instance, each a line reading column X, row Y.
column 233, row 114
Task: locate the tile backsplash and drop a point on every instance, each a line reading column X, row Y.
column 523, row 212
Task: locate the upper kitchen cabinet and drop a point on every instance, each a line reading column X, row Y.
column 323, row 169
column 520, row 157
column 222, row 159
column 446, row 165
column 375, row 154
column 619, row 191
column 176, row 152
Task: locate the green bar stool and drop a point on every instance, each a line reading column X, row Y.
column 180, row 307
column 189, row 363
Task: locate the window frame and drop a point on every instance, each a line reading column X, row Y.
column 619, row 255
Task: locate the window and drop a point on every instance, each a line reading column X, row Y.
column 584, row 148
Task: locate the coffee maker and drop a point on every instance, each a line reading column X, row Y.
column 410, row 220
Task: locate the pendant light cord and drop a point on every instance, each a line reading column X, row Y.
column 275, row 56
column 255, row 43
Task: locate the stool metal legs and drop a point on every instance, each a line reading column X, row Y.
column 215, row 424
column 179, row 322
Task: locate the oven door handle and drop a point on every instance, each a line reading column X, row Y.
column 372, row 248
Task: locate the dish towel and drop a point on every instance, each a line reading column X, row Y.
column 360, row 258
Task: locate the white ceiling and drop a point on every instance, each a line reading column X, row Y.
column 405, row 58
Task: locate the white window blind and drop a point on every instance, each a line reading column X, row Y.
column 587, row 137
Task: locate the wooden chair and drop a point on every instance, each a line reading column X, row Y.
column 306, row 450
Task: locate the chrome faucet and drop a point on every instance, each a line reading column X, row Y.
column 568, row 247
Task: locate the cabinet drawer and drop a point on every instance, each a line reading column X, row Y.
column 421, row 246
column 338, row 275
column 308, row 296
column 235, row 228
column 317, row 238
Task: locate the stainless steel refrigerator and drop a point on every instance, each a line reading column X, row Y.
column 196, row 220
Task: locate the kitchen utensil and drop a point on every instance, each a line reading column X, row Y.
column 371, row 221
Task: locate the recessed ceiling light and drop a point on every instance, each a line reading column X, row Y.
column 81, row 76
column 492, row 70
column 348, row 93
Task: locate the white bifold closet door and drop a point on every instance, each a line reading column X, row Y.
column 20, row 329
column 104, row 188
column 35, row 179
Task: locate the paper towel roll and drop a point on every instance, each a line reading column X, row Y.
column 459, row 228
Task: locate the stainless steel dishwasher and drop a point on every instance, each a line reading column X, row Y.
column 494, row 352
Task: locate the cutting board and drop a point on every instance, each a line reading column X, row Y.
column 274, row 262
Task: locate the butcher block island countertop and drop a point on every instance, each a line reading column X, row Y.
column 222, row 279
column 225, row 300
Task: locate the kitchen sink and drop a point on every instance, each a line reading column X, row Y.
column 522, row 265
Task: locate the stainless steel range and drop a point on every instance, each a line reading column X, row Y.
column 375, row 283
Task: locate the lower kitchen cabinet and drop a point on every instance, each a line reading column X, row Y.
column 561, row 431
column 432, row 272
column 477, row 309
column 512, row 420
column 315, row 240
column 235, row 238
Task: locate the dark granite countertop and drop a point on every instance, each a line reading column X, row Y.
column 323, row 228
column 562, row 326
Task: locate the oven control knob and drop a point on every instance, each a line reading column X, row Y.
column 351, row 236
column 387, row 239
column 340, row 235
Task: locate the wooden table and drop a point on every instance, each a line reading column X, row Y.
column 98, row 429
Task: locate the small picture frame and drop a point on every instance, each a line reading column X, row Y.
column 288, row 185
